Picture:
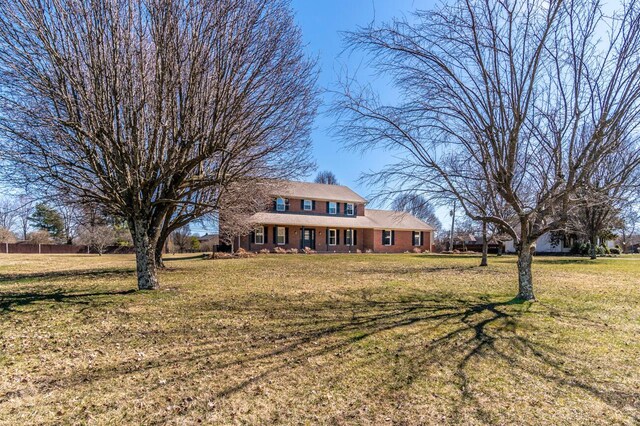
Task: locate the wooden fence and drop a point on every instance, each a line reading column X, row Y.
column 22, row 248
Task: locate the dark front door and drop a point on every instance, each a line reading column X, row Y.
column 308, row 238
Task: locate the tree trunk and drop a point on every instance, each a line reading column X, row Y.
column 594, row 243
column 525, row 278
column 485, row 245
column 158, row 256
column 145, row 256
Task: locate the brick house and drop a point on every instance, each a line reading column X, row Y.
column 333, row 218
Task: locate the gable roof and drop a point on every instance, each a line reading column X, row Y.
column 316, row 191
column 390, row 219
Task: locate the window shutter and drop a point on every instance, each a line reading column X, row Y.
column 337, row 237
column 301, row 204
column 355, row 210
column 286, row 204
column 275, row 204
column 253, row 237
column 275, row 235
column 327, row 207
column 265, row 239
column 345, row 236
column 383, row 239
column 286, row 235
column 313, row 204
column 393, row 237
column 421, row 238
column 355, row 237
column 337, row 208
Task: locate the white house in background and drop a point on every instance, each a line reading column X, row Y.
column 548, row 244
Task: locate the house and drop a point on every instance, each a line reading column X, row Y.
column 554, row 243
column 469, row 242
column 209, row 242
column 333, row 218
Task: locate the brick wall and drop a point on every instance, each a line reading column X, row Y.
column 295, row 206
column 295, row 233
column 366, row 238
column 403, row 241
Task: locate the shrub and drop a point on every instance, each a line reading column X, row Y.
column 243, row 254
column 279, row 250
column 294, row 251
column 614, row 250
column 358, row 251
column 417, row 250
column 264, row 251
column 6, row 236
column 222, row 255
column 369, row 251
column 39, row 237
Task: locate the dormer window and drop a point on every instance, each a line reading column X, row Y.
column 333, row 207
column 308, row 205
column 280, row 204
column 349, row 209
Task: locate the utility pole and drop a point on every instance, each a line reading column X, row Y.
column 453, row 221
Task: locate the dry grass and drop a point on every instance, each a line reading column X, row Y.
column 344, row 339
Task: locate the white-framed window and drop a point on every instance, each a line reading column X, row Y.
column 417, row 238
column 333, row 208
column 281, row 237
column 348, row 237
column 259, row 235
column 308, row 205
column 332, row 237
column 387, row 238
column 280, row 204
column 349, row 209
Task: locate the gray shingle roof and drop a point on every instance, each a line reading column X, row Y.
column 376, row 219
column 317, row 191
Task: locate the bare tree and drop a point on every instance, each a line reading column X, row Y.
column 138, row 106
column 418, row 206
column 6, row 236
column 181, row 238
column 327, row 177
column 8, row 212
column 238, row 204
column 523, row 96
column 98, row 237
column 23, row 212
column 603, row 197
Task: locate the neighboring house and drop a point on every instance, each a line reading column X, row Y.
column 333, row 218
column 472, row 243
column 209, row 242
column 551, row 242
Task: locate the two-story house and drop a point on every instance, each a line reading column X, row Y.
column 333, row 218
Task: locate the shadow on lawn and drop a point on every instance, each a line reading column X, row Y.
column 10, row 301
column 92, row 273
column 288, row 333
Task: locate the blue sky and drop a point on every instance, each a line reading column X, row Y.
column 322, row 24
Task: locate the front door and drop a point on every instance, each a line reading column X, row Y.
column 308, row 238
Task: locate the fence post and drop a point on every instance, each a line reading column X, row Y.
column 6, row 246
column 39, row 248
column 87, row 249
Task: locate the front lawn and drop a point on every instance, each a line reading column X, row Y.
column 330, row 339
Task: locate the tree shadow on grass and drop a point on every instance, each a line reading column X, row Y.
column 9, row 302
column 567, row 261
column 55, row 275
column 286, row 333
column 200, row 256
